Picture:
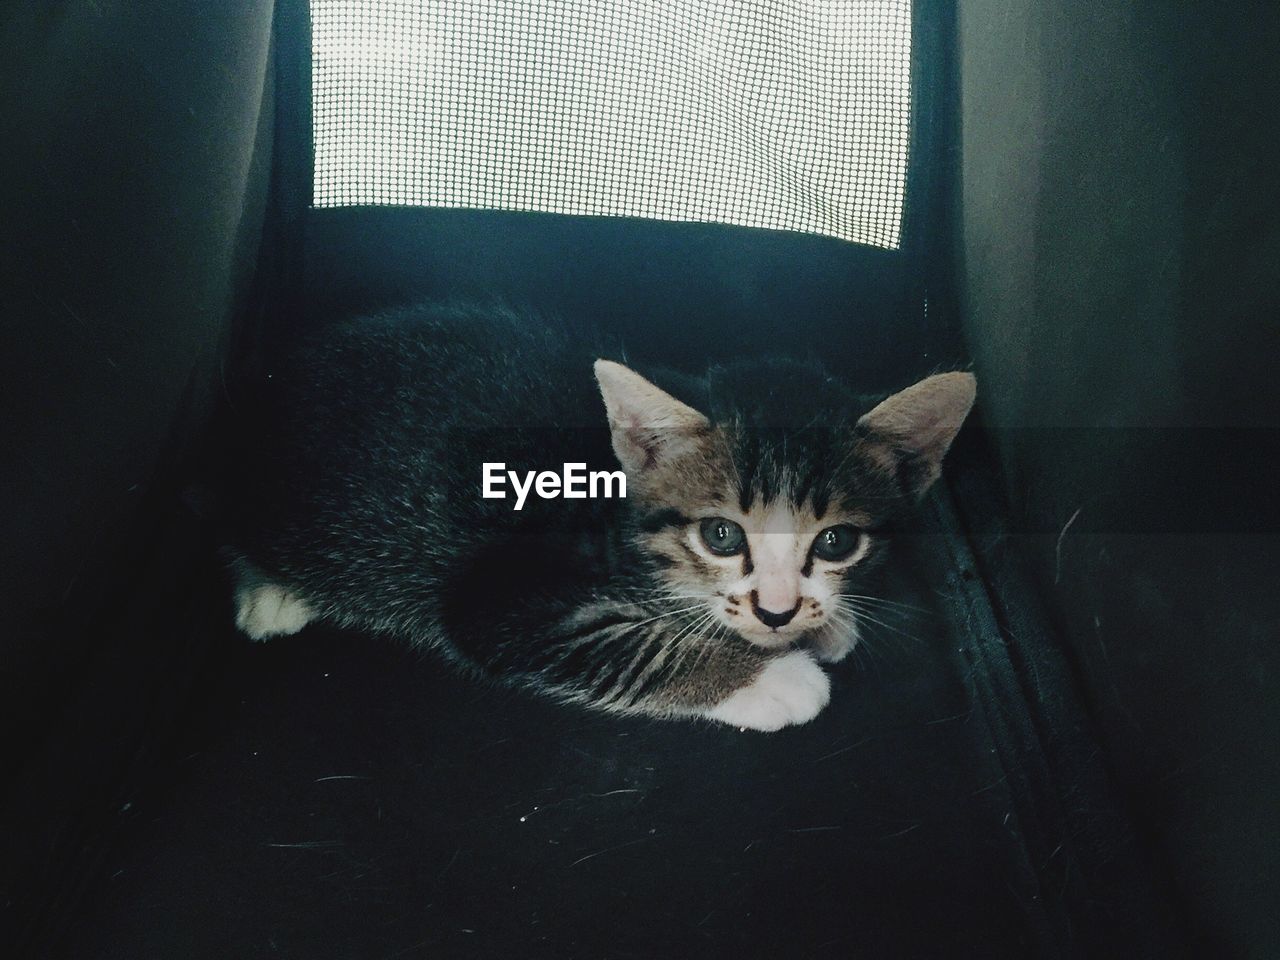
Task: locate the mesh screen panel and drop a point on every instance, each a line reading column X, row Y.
column 787, row 114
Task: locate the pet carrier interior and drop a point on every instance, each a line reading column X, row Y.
column 1068, row 749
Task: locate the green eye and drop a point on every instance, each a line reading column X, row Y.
column 837, row 543
column 723, row 537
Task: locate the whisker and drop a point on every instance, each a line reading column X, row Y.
column 709, row 645
column 688, row 630
column 847, row 623
column 690, row 645
column 880, row 607
column 882, row 637
column 862, row 648
column 896, row 644
column 863, row 615
column 669, row 613
column 884, row 602
column 623, row 683
column 860, row 620
column 668, row 644
column 845, row 620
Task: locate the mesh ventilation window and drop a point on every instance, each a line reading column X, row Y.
column 787, row 114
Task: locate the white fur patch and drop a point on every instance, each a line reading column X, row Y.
column 791, row 689
column 266, row 610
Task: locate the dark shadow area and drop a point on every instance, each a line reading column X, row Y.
column 337, row 795
column 1119, row 246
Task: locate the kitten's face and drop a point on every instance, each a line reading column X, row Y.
column 770, row 572
column 773, row 525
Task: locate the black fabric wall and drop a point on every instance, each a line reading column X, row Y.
column 132, row 188
column 675, row 293
column 1120, row 252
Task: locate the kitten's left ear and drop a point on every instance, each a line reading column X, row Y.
column 650, row 427
column 911, row 431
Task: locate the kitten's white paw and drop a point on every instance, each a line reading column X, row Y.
column 790, row 689
column 266, row 610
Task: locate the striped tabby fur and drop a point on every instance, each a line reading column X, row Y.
column 357, row 501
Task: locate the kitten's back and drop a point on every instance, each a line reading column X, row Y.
column 371, row 437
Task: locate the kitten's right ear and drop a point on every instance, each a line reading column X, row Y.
column 649, row 426
column 911, row 431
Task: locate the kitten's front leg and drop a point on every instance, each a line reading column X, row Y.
column 737, row 683
column 624, row 659
column 789, row 689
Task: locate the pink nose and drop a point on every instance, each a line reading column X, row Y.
column 772, row 618
column 776, row 593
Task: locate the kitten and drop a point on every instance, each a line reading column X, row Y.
column 759, row 499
